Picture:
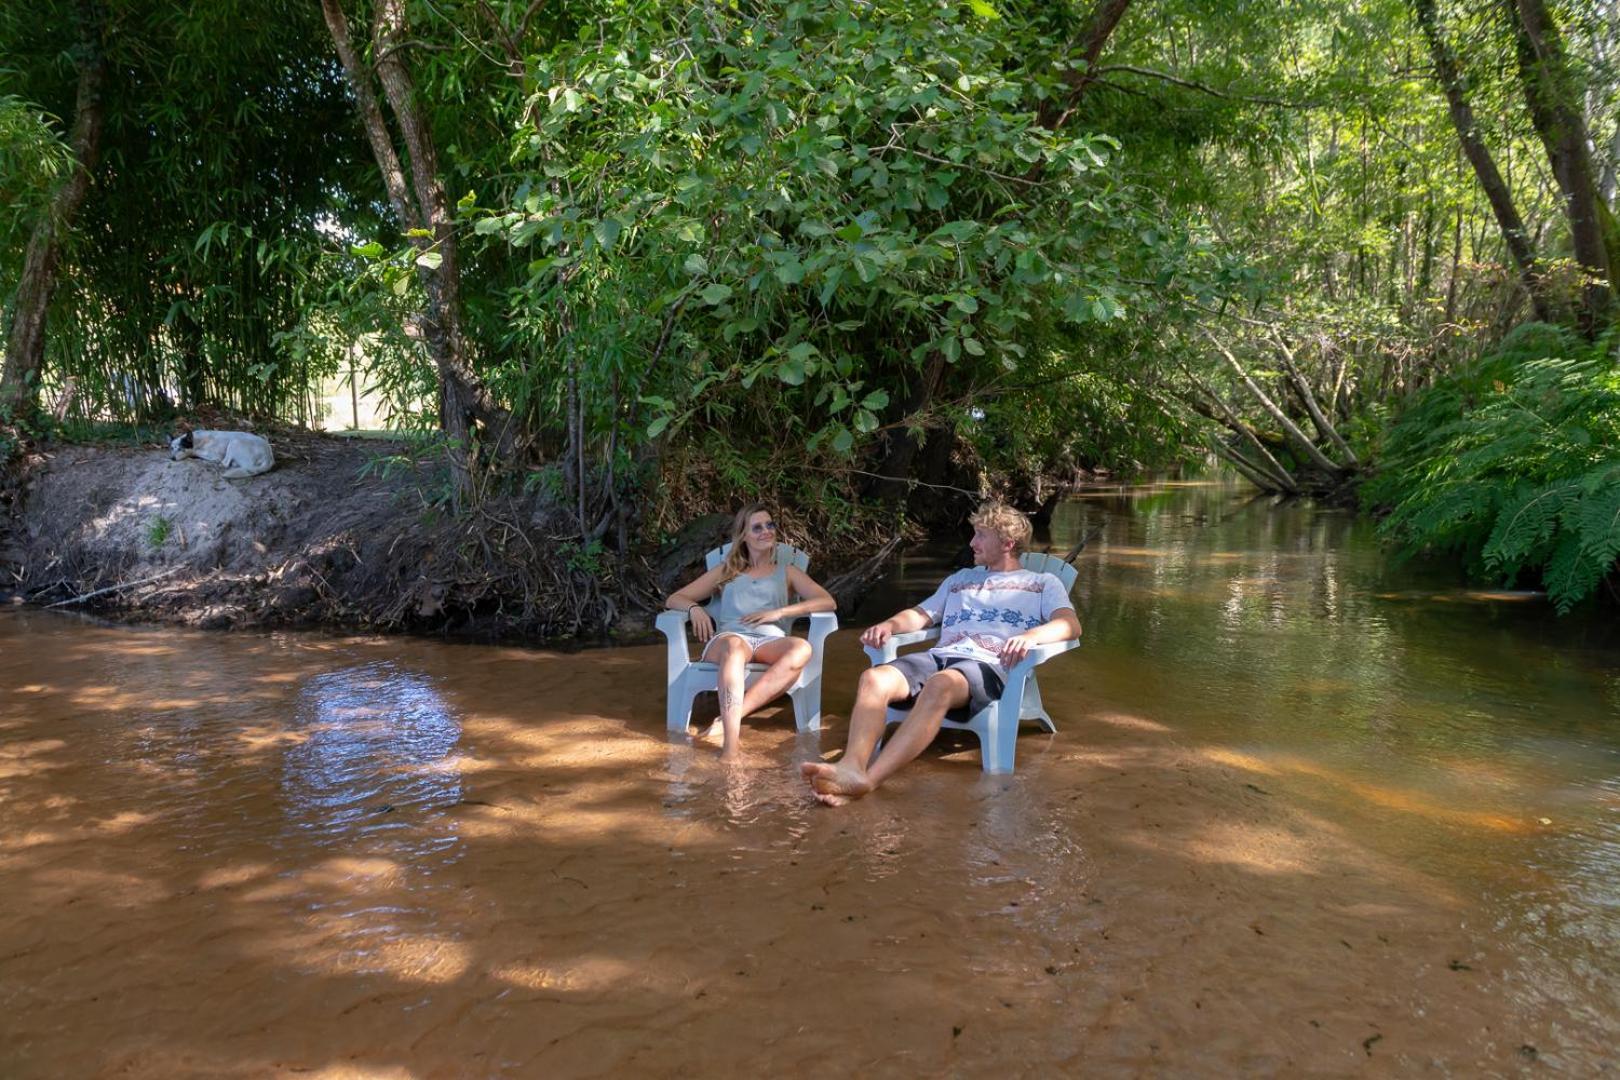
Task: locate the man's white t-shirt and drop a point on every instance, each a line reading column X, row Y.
column 977, row 610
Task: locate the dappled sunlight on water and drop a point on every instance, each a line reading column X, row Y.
column 1306, row 814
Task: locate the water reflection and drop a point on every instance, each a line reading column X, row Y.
column 1469, row 731
column 379, row 742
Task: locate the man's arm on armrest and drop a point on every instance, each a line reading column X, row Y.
column 901, row 623
column 1064, row 625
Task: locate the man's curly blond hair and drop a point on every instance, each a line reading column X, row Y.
column 1005, row 522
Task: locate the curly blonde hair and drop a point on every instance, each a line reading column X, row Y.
column 1005, row 522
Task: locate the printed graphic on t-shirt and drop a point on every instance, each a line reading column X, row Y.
column 977, row 610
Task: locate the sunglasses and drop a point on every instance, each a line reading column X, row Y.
column 759, row 528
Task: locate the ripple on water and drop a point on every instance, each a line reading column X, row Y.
column 377, row 742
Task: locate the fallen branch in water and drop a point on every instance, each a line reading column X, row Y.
column 850, row 585
column 115, row 588
column 1091, row 535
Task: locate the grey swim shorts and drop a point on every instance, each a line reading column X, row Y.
column 984, row 682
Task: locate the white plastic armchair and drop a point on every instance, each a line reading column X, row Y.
column 688, row 677
column 996, row 724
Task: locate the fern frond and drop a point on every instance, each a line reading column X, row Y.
column 1572, row 573
column 1528, row 521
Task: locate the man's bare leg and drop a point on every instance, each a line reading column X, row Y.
column 879, row 688
column 945, row 691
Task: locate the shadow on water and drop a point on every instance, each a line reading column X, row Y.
column 1305, row 810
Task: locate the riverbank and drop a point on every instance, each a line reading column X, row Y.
column 347, row 533
column 343, row 533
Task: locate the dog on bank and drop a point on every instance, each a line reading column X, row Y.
column 242, row 453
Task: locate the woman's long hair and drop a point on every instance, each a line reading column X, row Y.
column 736, row 560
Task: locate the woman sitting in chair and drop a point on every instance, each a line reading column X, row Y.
column 750, row 623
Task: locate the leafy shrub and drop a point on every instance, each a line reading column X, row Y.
column 1514, row 464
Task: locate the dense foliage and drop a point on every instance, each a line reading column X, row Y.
column 654, row 257
column 1513, row 464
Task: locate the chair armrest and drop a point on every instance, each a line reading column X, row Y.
column 822, row 623
column 891, row 648
column 1012, row 693
column 672, row 624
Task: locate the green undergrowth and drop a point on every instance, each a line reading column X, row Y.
column 1513, row 465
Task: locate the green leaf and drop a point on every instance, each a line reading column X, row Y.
column 367, row 251
column 865, row 422
column 430, row 259
column 843, row 441
column 715, row 294
column 983, row 10
column 790, row 273
column 696, row 265
column 607, row 232
column 972, row 347
column 877, row 399
column 966, row 304
column 802, row 352
column 657, row 427
column 829, row 284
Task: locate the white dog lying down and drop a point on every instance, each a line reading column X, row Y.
column 242, row 453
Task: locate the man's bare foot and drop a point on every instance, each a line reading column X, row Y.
column 733, row 755
column 835, row 785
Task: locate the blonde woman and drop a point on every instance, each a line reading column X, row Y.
column 751, row 620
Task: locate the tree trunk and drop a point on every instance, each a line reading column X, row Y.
column 1268, row 468
column 1554, row 100
column 421, row 204
column 1479, row 156
column 1324, row 427
column 1300, row 439
column 1104, row 17
column 25, row 341
column 892, row 482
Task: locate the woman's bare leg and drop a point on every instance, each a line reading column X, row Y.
column 786, row 657
column 731, row 653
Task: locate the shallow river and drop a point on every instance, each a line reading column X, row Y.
column 1307, row 813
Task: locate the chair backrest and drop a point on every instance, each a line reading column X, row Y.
column 786, row 554
column 1050, row 564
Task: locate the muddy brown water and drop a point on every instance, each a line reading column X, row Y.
column 1307, row 814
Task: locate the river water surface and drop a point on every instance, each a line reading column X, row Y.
column 1307, row 813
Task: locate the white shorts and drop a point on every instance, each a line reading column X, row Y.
column 753, row 639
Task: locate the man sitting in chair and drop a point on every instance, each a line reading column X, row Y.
column 990, row 616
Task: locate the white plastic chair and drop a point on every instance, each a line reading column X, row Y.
column 996, row 724
column 688, row 677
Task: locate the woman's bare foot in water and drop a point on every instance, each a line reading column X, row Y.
column 835, row 785
column 738, row 758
